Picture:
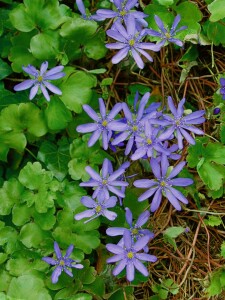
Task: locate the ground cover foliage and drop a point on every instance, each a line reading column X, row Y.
column 75, row 144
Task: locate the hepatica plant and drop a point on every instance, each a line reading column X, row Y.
column 106, row 159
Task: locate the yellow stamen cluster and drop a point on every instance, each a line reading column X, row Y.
column 98, row 208
column 104, row 181
column 123, row 13
column 135, row 128
column 163, row 183
column 149, row 141
column 131, row 42
column 135, row 231
column 104, row 123
column 61, row 263
column 130, row 255
column 40, row 79
column 168, row 35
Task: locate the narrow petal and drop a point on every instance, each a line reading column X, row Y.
column 77, row 266
column 127, row 239
column 117, row 126
column 81, row 7
column 141, row 243
column 105, row 168
column 54, row 76
column 90, row 183
column 130, row 4
column 156, row 200
column 173, row 200
column 93, row 173
column 69, row 251
column 193, row 129
column 146, row 257
column 120, row 138
column 143, row 52
column 164, row 165
column 116, row 36
column 129, row 216
column 143, row 218
column 68, row 272
column 24, row 85
column 144, row 183
column 116, row 191
column 105, row 140
column 107, row 13
column 102, row 108
column 110, row 215
column 160, row 24
column 95, row 136
column 181, row 181
column 33, row 91
column 131, row 25
column 56, row 273
column 45, row 92
column 120, row 55
column 130, row 271
column 31, row 70
column 166, row 134
column 114, row 111
column 114, row 45
column 88, row 202
column 187, row 136
column 115, row 249
column 156, row 170
column 114, row 231
column 92, row 114
column 175, row 23
column 116, row 174
column 85, row 214
column 54, row 70
column 179, row 139
column 85, row 128
column 147, row 194
column 54, row 89
column 137, row 58
column 172, row 106
column 111, row 202
column 119, row 268
column 57, row 250
column 121, row 29
column 180, row 108
column 139, row 153
column 129, row 145
column 115, row 258
column 176, row 170
column 140, row 267
column 50, row 261
column 44, row 67
column 179, row 195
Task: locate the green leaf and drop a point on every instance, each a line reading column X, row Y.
column 81, row 296
column 21, row 214
column 56, row 157
column 33, row 177
column 23, row 265
column 31, row 235
column 45, row 45
column 28, row 287
column 165, row 2
column 215, row 285
column 222, row 250
column 10, row 193
column 5, row 69
column 215, row 32
column 78, row 29
column 47, row 220
column 213, row 221
column 76, row 89
column 216, row 8
column 57, row 115
column 8, row 236
column 42, row 14
column 95, row 47
column 5, row 279
column 174, row 232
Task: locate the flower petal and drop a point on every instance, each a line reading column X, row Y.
column 92, row 114
column 156, row 200
column 24, row 85
column 56, row 273
column 130, row 271
column 140, row 267
column 119, row 268
column 120, row 55
column 147, row 194
column 57, row 250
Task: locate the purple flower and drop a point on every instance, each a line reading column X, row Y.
column 41, row 80
column 86, row 15
column 148, row 144
column 62, row 263
column 129, row 42
column 135, row 229
column 172, row 149
column 222, row 89
column 163, row 184
column 167, row 35
column 216, row 111
column 100, row 126
column 97, row 208
column 123, row 10
column 134, row 125
column 128, row 256
column 107, row 181
column 179, row 124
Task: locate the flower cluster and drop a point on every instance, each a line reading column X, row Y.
column 129, row 29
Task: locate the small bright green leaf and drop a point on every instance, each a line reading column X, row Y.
column 28, row 287
column 21, row 214
column 56, row 157
column 213, row 221
column 98, row 71
column 174, row 231
column 215, row 287
column 33, row 177
column 31, row 235
column 215, row 32
column 45, row 220
column 57, row 115
column 5, row 279
column 216, row 8
column 10, row 193
column 222, row 250
column 95, row 47
column 5, row 69
column 81, row 296
column 215, row 152
column 166, row 2
column 222, row 134
column 76, row 89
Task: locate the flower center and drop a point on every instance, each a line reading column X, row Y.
column 123, row 13
column 61, row 263
column 134, row 231
column 131, row 42
column 149, row 141
column 39, row 78
column 167, row 35
column 98, row 208
column 104, row 181
column 135, row 128
column 177, row 122
column 130, row 255
column 163, row 183
column 104, row 123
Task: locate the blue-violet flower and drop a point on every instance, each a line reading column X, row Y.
column 62, row 263
column 41, row 80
